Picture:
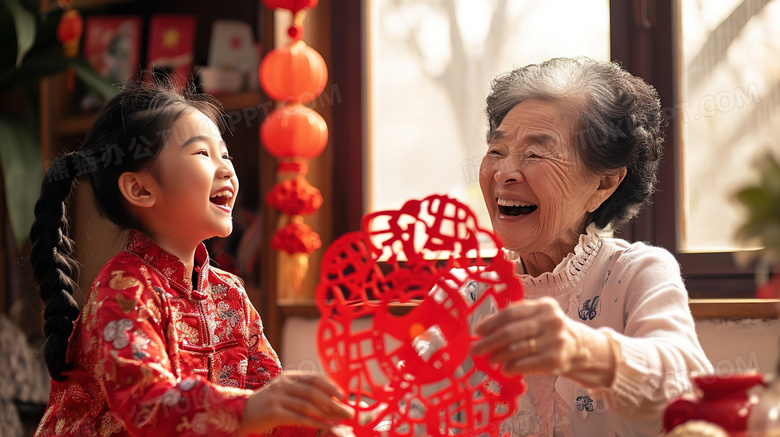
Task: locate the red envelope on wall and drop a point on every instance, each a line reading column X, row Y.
column 172, row 44
column 112, row 45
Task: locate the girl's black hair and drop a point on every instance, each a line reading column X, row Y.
column 127, row 136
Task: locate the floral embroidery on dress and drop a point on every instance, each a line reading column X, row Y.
column 243, row 330
column 584, row 406
column 242, row 366
column 211, row 324
column 217, row 290
column 116, row 332
column 224, row 377
column 120, row 282
column 267, row 367
column 188, row 332
column 150, row 310
column 109, row 425
column 230, row 279
column 584, row 403
column 589, row 310
column 91, row 307
column 171, row 397
column 140, row 342
column 251, row 342
column 230, row 315
column 127, row 305
column 187, row 384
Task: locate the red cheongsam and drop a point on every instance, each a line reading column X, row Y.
column 153, row 355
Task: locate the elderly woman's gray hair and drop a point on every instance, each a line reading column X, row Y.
column 619, row 123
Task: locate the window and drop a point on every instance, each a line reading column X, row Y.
column 697, row 70
column 729, row 74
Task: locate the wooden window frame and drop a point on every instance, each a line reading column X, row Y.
column 645, row 39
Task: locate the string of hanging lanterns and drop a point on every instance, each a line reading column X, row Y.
column 294, row 75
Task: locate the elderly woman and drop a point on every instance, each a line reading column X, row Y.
column 604, row 337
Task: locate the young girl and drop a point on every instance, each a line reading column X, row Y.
column 165, row 344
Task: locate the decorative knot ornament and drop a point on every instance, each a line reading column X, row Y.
column 410, row 374
column 293, row 75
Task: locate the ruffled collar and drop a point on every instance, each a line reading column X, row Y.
column 569, row 271
column 165, row 263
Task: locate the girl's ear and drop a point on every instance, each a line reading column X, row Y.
column 137, row 189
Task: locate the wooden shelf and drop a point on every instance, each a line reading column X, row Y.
column 240, row 100
column 735, row 308
column 306, row 309
column 85, row 4
column 76, row 125
column 700, row 308
column 73, row 125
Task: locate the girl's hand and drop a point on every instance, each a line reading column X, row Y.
column 296, row 398
column 536, row 336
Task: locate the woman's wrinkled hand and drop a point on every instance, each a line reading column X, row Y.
column 296, row 398
column 535, row 336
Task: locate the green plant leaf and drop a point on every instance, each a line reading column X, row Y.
column 22, row 173
column 35, row 67
column 24, row 22
column 762, row 206
column 39, row 65
column 97, row 83
column 757, row 201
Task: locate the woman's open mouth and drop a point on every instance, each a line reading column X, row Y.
column 514, row 207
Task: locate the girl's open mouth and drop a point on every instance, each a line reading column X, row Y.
column 222, row 198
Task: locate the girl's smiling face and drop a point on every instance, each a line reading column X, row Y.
column 197, row 181
column 537, row 192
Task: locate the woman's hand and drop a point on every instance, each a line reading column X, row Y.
column 296, row 398
column 536, row 336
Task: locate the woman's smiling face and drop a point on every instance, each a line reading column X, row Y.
column 537, row 192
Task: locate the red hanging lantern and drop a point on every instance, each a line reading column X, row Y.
column 69, row 32
column 293, row 73
column 291, row 5
column 294, row 130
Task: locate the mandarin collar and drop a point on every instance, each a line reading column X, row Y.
column 569, row 271
column 167, row 264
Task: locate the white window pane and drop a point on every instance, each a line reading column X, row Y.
column 730, row 111
column 430, row 68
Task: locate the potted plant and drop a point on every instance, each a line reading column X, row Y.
column 762, row 204
column 31, row 52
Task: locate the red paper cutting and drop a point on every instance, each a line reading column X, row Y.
column 411, row 374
